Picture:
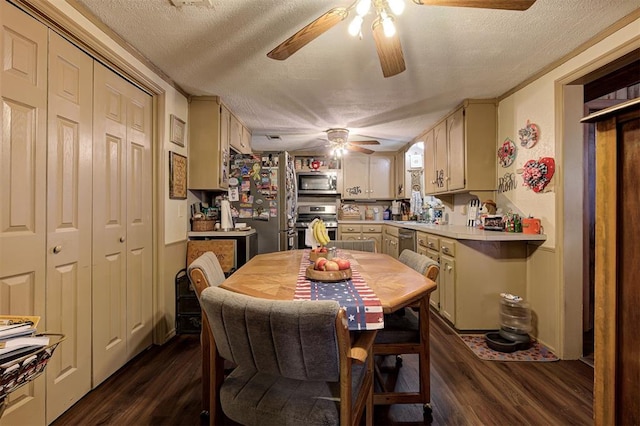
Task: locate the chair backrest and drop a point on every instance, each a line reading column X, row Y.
column 294, row 339
column 360, row 245
column 421, row 263
column 204, row 272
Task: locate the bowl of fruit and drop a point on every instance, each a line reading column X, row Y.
column 318, row 252
column 336, row 269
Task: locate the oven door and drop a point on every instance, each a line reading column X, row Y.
column 333, row 233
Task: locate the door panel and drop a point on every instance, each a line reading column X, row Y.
column 69, row 174
column 23, row 123
column 455, row 137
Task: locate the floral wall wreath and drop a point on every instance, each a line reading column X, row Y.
column 537, row 174
column 529, row 135
column 507, row 153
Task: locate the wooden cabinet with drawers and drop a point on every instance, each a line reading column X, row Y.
column 362, row 232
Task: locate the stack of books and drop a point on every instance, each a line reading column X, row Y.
column 18, row 337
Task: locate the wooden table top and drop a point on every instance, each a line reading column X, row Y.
column 274, row 275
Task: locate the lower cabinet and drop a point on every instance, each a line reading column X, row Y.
column 362, row 232
column 422, row 247
column 391, row 241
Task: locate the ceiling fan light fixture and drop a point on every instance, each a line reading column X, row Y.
column 387, row 24
column 396, row 6
column 355, row 27
column 363, row 6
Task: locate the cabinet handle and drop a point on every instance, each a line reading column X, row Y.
column 448, row 268
column 445, row 249
column 57, row 249
column 430, row 245
column 122, row 239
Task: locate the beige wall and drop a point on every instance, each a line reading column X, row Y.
column 554, row 281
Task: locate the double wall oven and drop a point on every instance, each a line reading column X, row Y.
column 306, row 214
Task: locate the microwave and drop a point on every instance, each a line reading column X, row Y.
column 318, row 183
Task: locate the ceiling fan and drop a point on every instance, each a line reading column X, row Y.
column 339, row 143
column 383, row 27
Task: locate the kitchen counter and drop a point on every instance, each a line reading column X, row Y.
column 458, row 232
column 221, row 234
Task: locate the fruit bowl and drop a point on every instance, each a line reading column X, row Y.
column 327, row 276
column 314, row 255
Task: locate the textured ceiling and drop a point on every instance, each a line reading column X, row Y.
column 451, row 54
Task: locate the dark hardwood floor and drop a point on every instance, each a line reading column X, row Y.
column 162, row 387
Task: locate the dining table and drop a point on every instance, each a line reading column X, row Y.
column 280, row 276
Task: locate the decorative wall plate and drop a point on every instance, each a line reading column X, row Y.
column 529, row 135
column 537, row 174
column 507, row 153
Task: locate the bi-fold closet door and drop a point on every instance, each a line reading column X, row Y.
column 75, row 211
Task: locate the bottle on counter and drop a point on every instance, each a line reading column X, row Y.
column 368, row 214
column 386, row 215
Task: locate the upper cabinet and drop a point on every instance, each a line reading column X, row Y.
column 400, row 187
column 460, row 151
column 209, row 134
column 239, row 136
column 368, row 177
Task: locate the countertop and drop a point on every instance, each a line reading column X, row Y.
column 222, row 234
column 458, row 232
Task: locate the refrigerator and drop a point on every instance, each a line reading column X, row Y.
column 262, row 194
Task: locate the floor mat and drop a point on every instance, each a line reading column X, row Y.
column 537, row 351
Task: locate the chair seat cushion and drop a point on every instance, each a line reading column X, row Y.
column 253, row 398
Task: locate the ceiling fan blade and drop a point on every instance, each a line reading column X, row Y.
column 371, row 142
column 360, row 149
column 308, row 33
column 389, row 51
column 484, row 4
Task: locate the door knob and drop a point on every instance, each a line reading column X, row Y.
column 57, row 249
column 122, row 239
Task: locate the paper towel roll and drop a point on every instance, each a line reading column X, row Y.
column 226, row 221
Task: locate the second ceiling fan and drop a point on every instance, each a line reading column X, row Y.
column 383, row 27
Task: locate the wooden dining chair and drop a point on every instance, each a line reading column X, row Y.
column 360, row 245
column 407, row 332
column 203, row 272
column 295, row 363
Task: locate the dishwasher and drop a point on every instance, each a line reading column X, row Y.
column 406, row 240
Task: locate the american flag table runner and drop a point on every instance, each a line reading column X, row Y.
column 364, row 310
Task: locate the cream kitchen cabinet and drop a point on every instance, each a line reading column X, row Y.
column 429, row 245
column 462, row 156
column 391, row 241
column 368, row 177
column 239, row 136
column 209, row 134
column 362, row 232
column 447, row 278
column 401, row 182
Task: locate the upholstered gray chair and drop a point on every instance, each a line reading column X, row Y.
column 295, row 362
column 203, row 272
column 360, row 245
column 407, row 332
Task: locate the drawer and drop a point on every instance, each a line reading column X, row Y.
column 448, row 247
column 372, row 228
column 433, row 255
column 392, row 230
column 421, row 239
column 433, row 243
column 350, row 229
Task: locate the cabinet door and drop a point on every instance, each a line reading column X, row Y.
column 400, row 186
column 441, row 169
column 394, row 247
column 246, row 141
column 235, row 134
column 435, row 295
column 377, row 237
column 429, row 163
column 225, row 126
column 455, row 137
column 380, row 177
column 355, row 177
column 448, row 288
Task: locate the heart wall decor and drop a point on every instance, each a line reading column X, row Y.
column 537, row 174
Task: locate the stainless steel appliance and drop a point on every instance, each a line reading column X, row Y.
column 317, row 183
column 306, row 214
column 406, row 240
column 267, row 198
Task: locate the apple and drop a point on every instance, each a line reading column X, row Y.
column 320, row 264
column 323, row 249
column 342, row 263
column 330, row 265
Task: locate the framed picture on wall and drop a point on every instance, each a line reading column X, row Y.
column 177, row 130
column 177, row 176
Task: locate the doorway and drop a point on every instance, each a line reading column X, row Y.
column 613, row 88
